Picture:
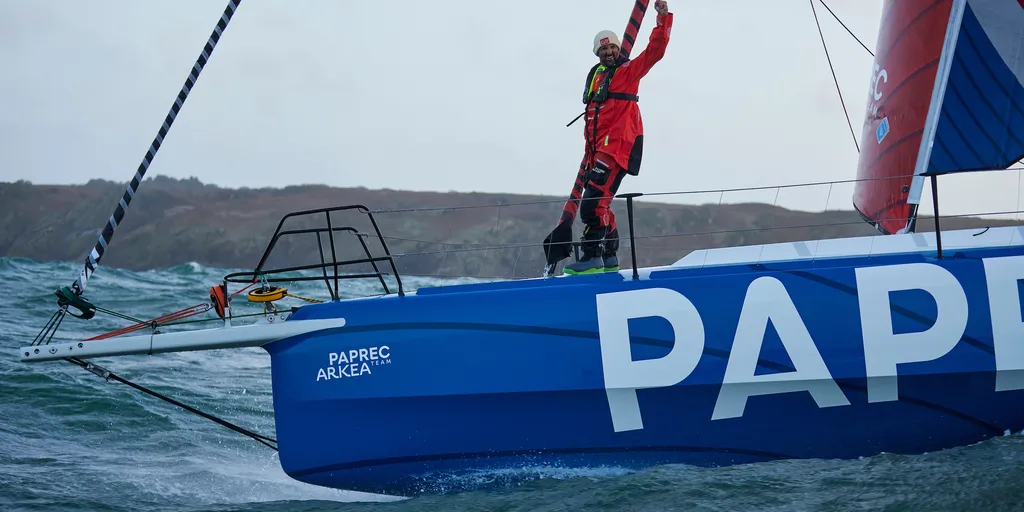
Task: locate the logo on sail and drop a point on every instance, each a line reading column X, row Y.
column 882, row 130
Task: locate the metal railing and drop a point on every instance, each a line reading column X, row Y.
column 262, row 274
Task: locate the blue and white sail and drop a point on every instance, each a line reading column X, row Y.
column 961, row 64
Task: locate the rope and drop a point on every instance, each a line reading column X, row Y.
column 242, row 290
column 623, row 238
column 847, row 114
column 174, row 318
column 847, row 28
column 120, row 315
column 651, row 194
column 50, row 329
column 154, row 323
column 201, row 320
column 108, row 375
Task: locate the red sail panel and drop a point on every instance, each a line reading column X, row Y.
column 907, row 56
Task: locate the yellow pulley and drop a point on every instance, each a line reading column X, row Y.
column 267, row 294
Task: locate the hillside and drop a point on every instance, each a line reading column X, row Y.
column 171, row 222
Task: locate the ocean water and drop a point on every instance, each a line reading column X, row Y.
column 71, row 441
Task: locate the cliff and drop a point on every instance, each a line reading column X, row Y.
column 176, row 221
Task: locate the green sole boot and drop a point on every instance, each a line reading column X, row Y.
column 585, row 266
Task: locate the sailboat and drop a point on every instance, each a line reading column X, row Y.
column 905, row 342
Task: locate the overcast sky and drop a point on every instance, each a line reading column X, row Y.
column 441, row 95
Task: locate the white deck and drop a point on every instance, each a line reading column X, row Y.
column 864, row 246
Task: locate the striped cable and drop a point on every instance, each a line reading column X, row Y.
column 633, row 27
column 628, row 38
column 108, row 231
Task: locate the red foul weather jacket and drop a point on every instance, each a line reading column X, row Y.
column 613, row 126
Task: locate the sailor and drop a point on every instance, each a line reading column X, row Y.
column 614, row 136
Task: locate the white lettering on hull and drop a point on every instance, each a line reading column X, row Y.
column 768, row 300
column 622, row 375
column 883, row 350
column 1002, row 276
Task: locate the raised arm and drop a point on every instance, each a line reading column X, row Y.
column 639, row 67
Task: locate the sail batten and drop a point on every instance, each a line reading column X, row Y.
column 946, row 96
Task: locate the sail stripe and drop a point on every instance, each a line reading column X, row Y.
column 942, row 147
column 982, row 99
column 910, row 86
column 1002, row 21
column 883, row 53
column 886, row 207
column 962, row 151
column 928, row 67
column 975, row 126
column 910, row 137
column 979, row 58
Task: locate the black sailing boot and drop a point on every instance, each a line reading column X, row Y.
column 591, row 262
column 611, row 262
column 611, row 246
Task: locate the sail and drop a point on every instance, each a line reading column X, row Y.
column 945, row 96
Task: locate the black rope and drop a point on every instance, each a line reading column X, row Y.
column 813, row 10
column 107, row 374
column 125, row 317
column 847, row 28
column 50, row 329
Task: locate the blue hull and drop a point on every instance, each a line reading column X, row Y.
column 447, row 389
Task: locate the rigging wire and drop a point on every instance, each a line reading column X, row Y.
column 847, row 28
column 834, row 78
column 1018, row 192
column 46, row 336
column 379, row 211
column 680, row 235
column 856, row 222
column 108, row 375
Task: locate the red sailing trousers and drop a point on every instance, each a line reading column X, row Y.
column 602, row 183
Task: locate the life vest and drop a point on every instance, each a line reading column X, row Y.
column 597, row 91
